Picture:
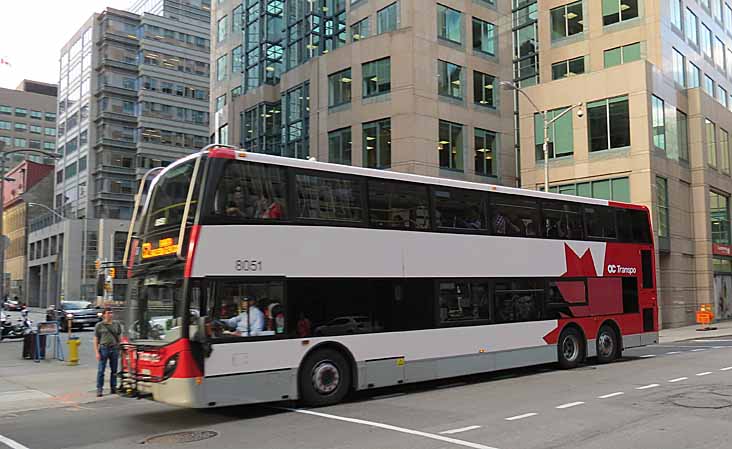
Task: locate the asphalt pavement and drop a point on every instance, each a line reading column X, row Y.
column 672, row 395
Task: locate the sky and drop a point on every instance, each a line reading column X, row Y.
column 33, row 32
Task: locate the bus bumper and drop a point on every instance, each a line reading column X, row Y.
column 181, row 392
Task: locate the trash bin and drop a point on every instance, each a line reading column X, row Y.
column 28, row 346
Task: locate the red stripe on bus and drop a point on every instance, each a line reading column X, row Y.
column 195, row 230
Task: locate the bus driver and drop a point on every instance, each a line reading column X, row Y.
column 249, row 322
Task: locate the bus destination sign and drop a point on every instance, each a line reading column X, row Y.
column 165, row 247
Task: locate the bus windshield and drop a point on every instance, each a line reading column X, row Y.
column 154, row 305
column 168, row 198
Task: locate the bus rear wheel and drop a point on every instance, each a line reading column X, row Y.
column 571, row 348
column 325, row 378
column 607, row 344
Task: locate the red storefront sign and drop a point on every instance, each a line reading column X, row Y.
column 719, row 249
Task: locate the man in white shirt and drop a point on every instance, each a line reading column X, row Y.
column 249, row 322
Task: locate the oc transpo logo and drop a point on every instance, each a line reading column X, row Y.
column 619, row 269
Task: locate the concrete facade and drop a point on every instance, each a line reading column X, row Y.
column 677, row 156
column 282, row 102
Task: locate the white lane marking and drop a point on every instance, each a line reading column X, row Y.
column 569, row 404
column 462, row 429
column 392, row 428
column 712, row 341
column 645, row 387
column 647, row 356
column 673, row 352
column 719, row 347
column 697, row 350
column 611, row 395
column 525, row 415
column 678, row 379
column 705, row 373
column 726, row 369
column 11, row 443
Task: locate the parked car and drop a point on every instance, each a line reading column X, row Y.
column 79, row 313
column 347, row 325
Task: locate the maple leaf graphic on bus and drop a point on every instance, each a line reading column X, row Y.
column 579, row 266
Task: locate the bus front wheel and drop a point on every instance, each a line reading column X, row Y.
column 571, row 348
column 325, row 378
column 607, row 344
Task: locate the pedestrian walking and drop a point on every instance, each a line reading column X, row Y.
column 107, row 334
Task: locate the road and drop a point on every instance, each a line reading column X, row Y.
column 666, row 396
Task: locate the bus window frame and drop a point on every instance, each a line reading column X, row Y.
column 461, row 231
column 287, row 335
column 586, row 223
column 440, row 324
column 429, row 205
column 292, row 192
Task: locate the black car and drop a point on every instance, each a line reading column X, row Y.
column 78, row 313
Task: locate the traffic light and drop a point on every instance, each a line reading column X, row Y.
column 98, row 264
column 112, row 272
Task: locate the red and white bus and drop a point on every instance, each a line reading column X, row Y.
column 258, row 278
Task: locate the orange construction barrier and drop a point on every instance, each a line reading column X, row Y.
column 704, row 316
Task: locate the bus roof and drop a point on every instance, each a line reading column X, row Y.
column 229, row 152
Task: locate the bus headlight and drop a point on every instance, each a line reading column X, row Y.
column 170, row 367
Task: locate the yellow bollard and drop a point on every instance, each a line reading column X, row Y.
column 73, row 343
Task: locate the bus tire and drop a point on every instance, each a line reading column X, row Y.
column 608, row 344
column 571, row 348
column 325, row 378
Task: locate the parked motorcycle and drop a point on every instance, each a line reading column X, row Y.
column 8, row 329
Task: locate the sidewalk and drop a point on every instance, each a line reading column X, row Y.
column 724, row 329
column 26, row 385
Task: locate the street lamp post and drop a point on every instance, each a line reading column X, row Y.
column 3, row 155
column 544, row 114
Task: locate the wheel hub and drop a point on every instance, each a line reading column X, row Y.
column 605, row 345
column 570, row 348
column 326, row 377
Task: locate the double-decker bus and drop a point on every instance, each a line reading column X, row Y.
column 257, row 278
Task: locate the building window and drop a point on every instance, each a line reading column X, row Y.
column 339, row 146
column 622, row 55
column 377, row 144
column 376, row 77
column 722, row 95
column 485, row 90
column 223, row 28
column 21, row 127
column 221, row 70
column 717, row 9
column 220, row 102
column 339, row 88
column 236, row 60
column 484, row 37
column 49, row 146
column 6, row 125
column 570, row 67
column 709, row 85
column 237, row 21
column 608, row 123
column 566, row 20
column 224, row 134
column 560, row 139
column 449, row 24
column 694, row 75
column 617, row 189
column 449, row 81
column 662, row 206
column 719, row 217
column 36, row 129
column 727, row 17
column 6, row 110
column 614, row 11
column 485, row 148
column 711, row 135
column 21, row 112
column 706, row 41
column 360, row 30
column 49, row 131
column 450, row 145
column 37, row 115
column 723, row 151
column 683, row 135
column 236, row 92
column 387, row 19
column 659, row 123
column 719, row 53
column 34, row 144
column 692, row 31
column 676, row 19
column 679, row 63
column 82, row 164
